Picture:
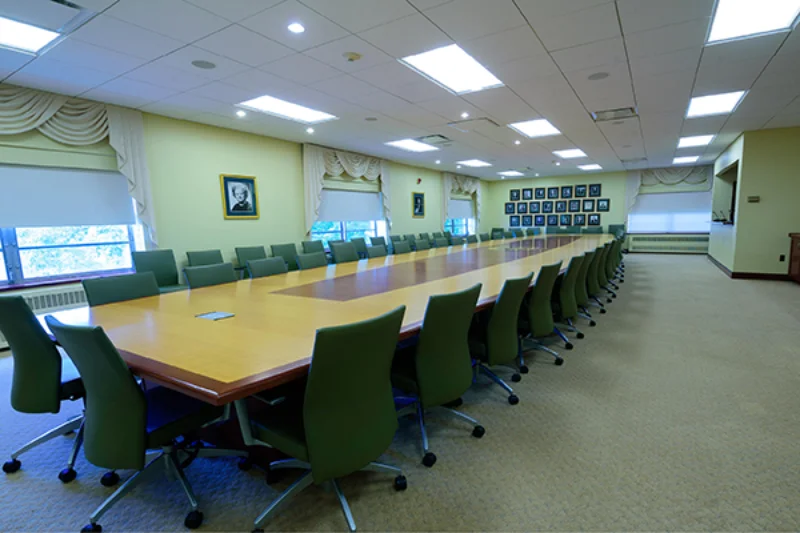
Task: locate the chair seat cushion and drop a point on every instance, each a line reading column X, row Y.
column 171, row 414
column 71, row 383
column 282, row 428
column 172, row 288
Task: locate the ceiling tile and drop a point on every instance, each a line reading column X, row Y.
column 641, row 15
column 384, row 102
column 128, row 92
column 451, row 107
column 469, row 19
column 41, row 13
column 576, row 28
column 649, row 43
column 597, row 54
column 235, row 10
column 527, row 69
column 260, row 82
column 502, row 104
column 360, row 15
column 173, row 18
column 244, row 46
column 167, row 77
column 613, row 92
column 126, row 38
column 189, row 103
column 273, row 23
column 504, row 46
column 703, row 125
column 345, row 87
column 555, row 8
column 665, row 92
column 686, row 59
column 422, row 5
column 784, row 121
column 56, row 76
column 301, row 69
column 389, row 75
column 182, row 60
column 761, row 49
column 97, row 5
column 767, row 100
column 74, row 52
column 11, row 61
column 407, row 36
column 419, row 91
column 223, row 92
column 726, row 76
column 332, row 54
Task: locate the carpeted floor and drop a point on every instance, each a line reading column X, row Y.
column 680, row 411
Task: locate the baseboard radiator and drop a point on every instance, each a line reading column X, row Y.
column 668, row 243
column 49, row 300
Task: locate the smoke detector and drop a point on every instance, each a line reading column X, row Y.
column 352, row 56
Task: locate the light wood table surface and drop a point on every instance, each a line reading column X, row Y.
column 270, row 339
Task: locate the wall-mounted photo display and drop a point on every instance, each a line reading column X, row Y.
column 579, row 220
column 552, row 220
column 418, row 205
column 594, row 219
column 509, row 208
column 547, row 206
column 538, row 220
column 552, row 192
column 513, row 222
column 588, row 206
column 574, row 206
column 513, row 195
column 539, row 193
column 595, row 190
column 527, row 194
column 565, row 220
column 535, row 207
column 239, row 197
column 561, row 206
column 580, row 191
column 527, row 221
column 522, row 208
column 604, row 204
column 566, row 192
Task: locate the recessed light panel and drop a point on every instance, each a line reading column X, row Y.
column 535, row 128
column 714, row 104
column 454, row 69
column 474, row 163
column 736, row 19
column 697, row 140
column 283, row 109
column 685, row 160
column 590, row 167
column 570, row 154
column 24, row 37
column 511, row 173
column 410, row 145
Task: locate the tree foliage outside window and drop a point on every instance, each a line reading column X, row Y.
column 346, row 230
column 3, row 273
column 460, row 226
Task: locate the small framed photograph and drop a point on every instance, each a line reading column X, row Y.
column 527, row 221
column 588, row 206
column 538, row 220
column 566, row 192
column 565, row 220
column 595, row 190
column 509, row 208
column 552, row 192
column 535, row 207
column 574, row 206
column 561, row 206
column 579, row 220
column 539, row 193
column 418, row 205
column 239, row 197
column 522, row 208
column 552, row 220
column 580, row 191
column 513, row 195
column 527, row 194
column 594, row 220
column 604, row 204
column 513, row 222
column 547, row 206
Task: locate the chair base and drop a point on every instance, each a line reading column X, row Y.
column 513, row 399
column 66, row 475
column 540, row 346
column 428, row 457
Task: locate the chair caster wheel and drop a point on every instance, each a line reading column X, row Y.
column 478, row 432
column 559, row 361
column 592, row 324
column 513, row 399
column 67, row 475
column 12, row 466
column 429, row 459
column 257, row 530
column 193, row 520
column 568, row 346
column 92, row 528
column 523, row 369
column 109, row 479
column 516, row 378
column 608, row 300
column 602, row 311
column 580, row 335
column 400, row 483
column 245, row 464
column 614, row 296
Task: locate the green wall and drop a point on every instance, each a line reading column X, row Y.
column 727, row 169
column 404, row 182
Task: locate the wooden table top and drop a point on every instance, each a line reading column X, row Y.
column 270, row 339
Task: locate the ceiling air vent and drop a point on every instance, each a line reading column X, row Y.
column 434, row 140
column 614, row 114
column 635, row 161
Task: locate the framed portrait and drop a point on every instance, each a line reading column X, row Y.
column 513, row 195
column 538, row 220
column 565, row 220
column 527, row 194
column 579, row 220
column 239, row 197
column 522, row 208
column 547, row 206
column 513, row 222
column 594, row 220
column 566, row 192
column 574, row 206
column 509, row 208
column 552, row 220
column 527, row 221
column 539, row 193
column 561, row 206
column 535, row 207
column 580, row 191
column 418, row 204
column 595, row 190
column 588, row 206
column 552, row 192
column 604, row 204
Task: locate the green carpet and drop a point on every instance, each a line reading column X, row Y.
column 680, row 411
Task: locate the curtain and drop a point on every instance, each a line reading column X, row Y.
column 455, row 184
column 632, row 186
column 676, row 175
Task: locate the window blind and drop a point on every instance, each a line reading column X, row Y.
column 681, row 212
column 458, row 208
column 350, row 205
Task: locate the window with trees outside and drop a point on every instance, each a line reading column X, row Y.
column 345, row 230
column 460, row 226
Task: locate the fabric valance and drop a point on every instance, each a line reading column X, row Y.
column 666, row 180
column 455, row 184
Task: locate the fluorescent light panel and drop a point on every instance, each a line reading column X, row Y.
column 697, row 140
column 511, row 173
column 283, row 109
column 570, row 154
column 410, row 145
column 474, row 163
column 736, row 19
column 24, row 37
column 685, row 160
column 453, row 68
column 535, row 128
column 714, row 104
column 593, row 166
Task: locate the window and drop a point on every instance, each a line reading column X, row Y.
column 3, row 273
column 345, row 230
column 683, row 212
column 460, row 226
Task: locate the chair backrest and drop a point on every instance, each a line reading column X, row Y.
column 581, row 295
column 457, row 241
column 377, row 241
column 288, row 252
column 437, row 234
column 376, row 251
column 204, row 257
column 36, row 382
column 592, row 285
column 529, row 232
column 396, row 238
column 361, row 246
column 411, row 240
column 444, row 368
column 348, row 413
column 472, row 239
column 334, row 241
column 618, row 230
column 485, row 237
column 502, row 335
column 566, row 293
column 423, row 244
column 112, row 289
column 344, row 252
column 271, row 266
column 204, row 276
column 248, row 253
column 508, row 234
column 402, row 247
column 602, row 277
column 114, row 431
column 553, row 230
column 310, row 247
column 449, row 236
column 612, row 249
column 425, row 237
column 312, row 260
column 441, row 242
column 573, row 229
column 593, row 229
column 160, row 262
column 540, row 310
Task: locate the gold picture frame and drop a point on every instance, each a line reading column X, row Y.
column 239, row 197
column 417, row 205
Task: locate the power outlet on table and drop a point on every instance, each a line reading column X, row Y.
column 782, row 258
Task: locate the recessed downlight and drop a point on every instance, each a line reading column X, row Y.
column 464, row 115
column 296, row 27
column 241, row 113
column 309, row 130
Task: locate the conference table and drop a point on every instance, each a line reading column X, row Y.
column 270, row 338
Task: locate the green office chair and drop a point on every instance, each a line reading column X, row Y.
column 361, row 246
column 472, row 239
column 438, row 234
column 378, row 241
column 204, row 257
column 573, row 229
column 288, row 252
column 485, row 237
column 247, row 253
column 438, row 370
column 536, row 315
column 497, row 235
column 411, row 240
column 42, row 379
column 376, row 251
column 312, row 260
column 602, row 272
column 529, row 232
column 425, row 237
column 422, row 245
column 402, row 247
column 335, row 241
column 449, row 236
column 618, row 230
column 457, row 241
column 395, row 238
column 494, row 336
column 581, row 294
column 311, row 247
column 344, row 252
column 162, row 264
column 592, row 230
column 614, row 258
column 440, row 242
column 345, row 420
column 100, row 291
column 564, row 294
column 508, row 234
column 592, row 283
column 123, row 421
column 205, row 276
column 271, row 266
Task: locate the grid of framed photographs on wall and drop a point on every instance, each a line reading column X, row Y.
column 568, row 205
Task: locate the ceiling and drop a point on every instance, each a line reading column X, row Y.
column 139, row 53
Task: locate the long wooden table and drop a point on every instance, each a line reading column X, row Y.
column 270, row 339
